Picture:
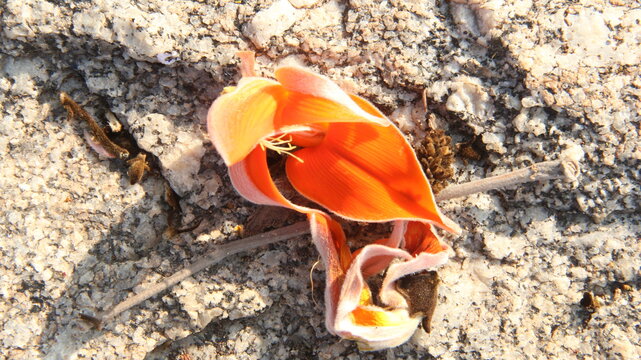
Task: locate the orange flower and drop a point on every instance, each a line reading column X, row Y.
column 347, row 156
column 350, row 310
column 344, row 154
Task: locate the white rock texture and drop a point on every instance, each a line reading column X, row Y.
column 527, row 80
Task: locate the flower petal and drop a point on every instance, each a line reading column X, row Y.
column 306, row 109
column 422, row 261
column 303, row 81
column 354, row 281
column 247, row 63
column 330, row 241
column 252, row 180
column 350, row 312
column 375, row 328
column 238, row 120
column 258, row 108
column 420, row 237
column 366, row 172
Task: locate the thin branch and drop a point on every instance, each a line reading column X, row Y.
column 209, row 259
column 548, row 170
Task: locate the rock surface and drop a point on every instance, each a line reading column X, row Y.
column 526, row 81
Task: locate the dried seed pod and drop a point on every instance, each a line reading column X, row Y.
column 589, row 302
column 421, row 292
column 471, row 150
column 436, row 156
column 137, row 168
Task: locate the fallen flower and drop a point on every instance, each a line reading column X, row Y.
column 352, row 160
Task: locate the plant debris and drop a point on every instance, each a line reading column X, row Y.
column 99, row 140
column 137, row 168
column 590, row 304
column 112, row 142
column 436, row 157
column 471, row 150
column 421, row 292
column 174, row 215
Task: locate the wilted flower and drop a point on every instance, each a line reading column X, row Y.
column 345, row 155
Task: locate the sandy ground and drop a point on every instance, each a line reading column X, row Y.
column 524, row 81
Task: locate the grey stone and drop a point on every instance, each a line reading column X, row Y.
column 532, row 79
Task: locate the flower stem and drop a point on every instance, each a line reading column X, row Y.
column 548, row 170
column 212, row 257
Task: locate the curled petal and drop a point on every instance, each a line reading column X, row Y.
column 350, row 309
column 303, row 81
column 357, row 318
column 354, row 282
column 394, row 241
column 379, row 337
column 420, row 237
column 252, row 180
column 398, row 233
column 330, row 241
column 238, row 120
column 305, row 109
column 424, row 261
column 366, row 172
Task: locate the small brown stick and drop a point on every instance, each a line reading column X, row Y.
column 211, row 258
column 548, row 170
column 76, row 111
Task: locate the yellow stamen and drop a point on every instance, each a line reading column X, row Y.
column 280, row 145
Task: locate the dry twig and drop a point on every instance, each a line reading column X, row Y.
column 209, row 259
column 543, row 171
